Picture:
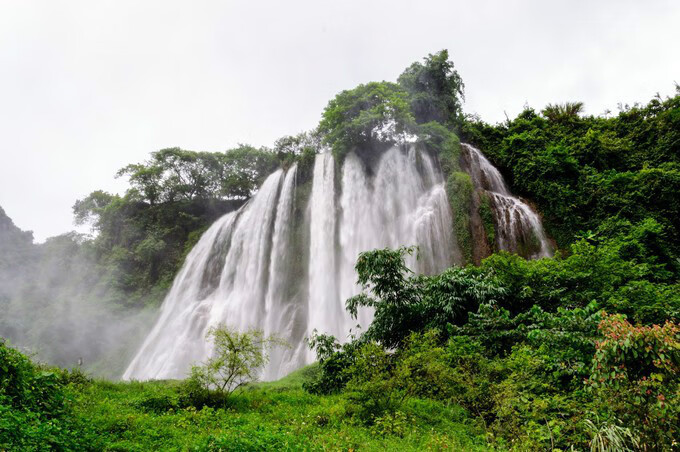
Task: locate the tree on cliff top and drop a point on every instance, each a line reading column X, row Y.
column 435, row 89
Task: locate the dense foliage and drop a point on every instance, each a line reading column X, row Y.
column 435, row 88
column 525, row 346
column 380, row 114
column 174, row 174
column 531, row 347
column 583, row 170
column 636, row 373
column 373, row 115
column 35, row 406
column 404, row 304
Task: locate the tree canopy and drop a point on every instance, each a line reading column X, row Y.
column 376, row 113
column 584, row 170
column 436, row 89
column 177, row 175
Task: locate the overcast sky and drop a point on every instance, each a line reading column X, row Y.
column 87, row 87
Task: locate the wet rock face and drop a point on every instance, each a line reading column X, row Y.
column 518, row 227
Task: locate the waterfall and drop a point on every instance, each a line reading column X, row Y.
column 282, row 314
column 287, row 269
column 396, row 207
column 235, row 251
column 323, row 304
column 516, row 223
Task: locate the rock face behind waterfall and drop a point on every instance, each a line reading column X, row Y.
column 518, row 228
column 284, row 262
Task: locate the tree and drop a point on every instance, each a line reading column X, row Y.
column 405, row 303
column 241, row 170
column 435, row 89
column 236, row 361
column 175, row 174
column 369, row 115
column 297, row 145
column 563, row 112
column 90, row 209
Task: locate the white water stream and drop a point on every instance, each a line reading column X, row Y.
column 516, row 222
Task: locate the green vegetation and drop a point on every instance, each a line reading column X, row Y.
column 528, row 348
column 36, row 409
column 460, row 190
column 582, row 350
column 236, row 361
column 435, row 89
column 380, row 114
column 577, row 351
column 486, row 214
column 69, row 412
column 369, row 116
column 582, row 171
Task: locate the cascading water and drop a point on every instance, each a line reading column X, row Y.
column 516, row 222
column 398, row 206
column 224, row 278
column 325, row 311
column 267, row 266
column 282, row 313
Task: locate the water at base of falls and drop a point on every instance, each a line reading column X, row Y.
column 267, row 266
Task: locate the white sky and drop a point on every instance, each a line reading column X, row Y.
column 89, row 86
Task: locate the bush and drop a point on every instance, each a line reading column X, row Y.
column 405, row 304
column 636, row 377
column 237, row 360
column 159, row 403
column 422, row 368
column 373, row 390
column 35, row 408
column 335, row 360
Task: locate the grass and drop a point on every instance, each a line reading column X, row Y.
column 293, row 380
column 277, row 416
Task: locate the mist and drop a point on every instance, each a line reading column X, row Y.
column 59, row 305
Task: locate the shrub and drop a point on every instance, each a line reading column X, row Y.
column 610, row 437
column 237, row 360
column 404, row 303
column 34, row 406
column 422, row 368
column 335, row 361
column 373, row 389
column 396, row 424
column 636, row 376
